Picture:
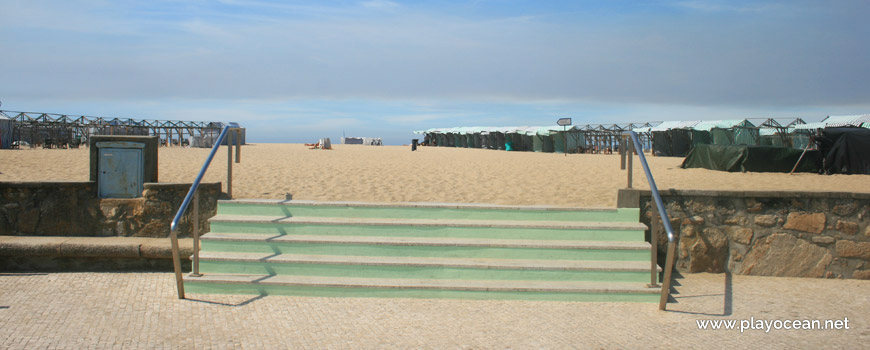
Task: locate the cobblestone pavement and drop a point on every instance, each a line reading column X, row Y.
column 140, row 310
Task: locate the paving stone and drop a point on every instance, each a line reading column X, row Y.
column 141, row 311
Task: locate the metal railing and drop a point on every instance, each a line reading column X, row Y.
column 193, row 195
column 658, row 205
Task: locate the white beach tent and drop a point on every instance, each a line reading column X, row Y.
column 862, row 120
column 669, row 125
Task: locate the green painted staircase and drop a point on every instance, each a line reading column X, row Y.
column 424, row 250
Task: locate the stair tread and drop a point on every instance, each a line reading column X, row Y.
column 577, row 225
column 470, row 285
column 480, row 263
column 428, row 205
column 428, row 241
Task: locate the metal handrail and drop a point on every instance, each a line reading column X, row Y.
column 173, row 227
column 669, row 264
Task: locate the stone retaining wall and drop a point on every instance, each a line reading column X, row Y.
column 73, row 209
column 797, row 234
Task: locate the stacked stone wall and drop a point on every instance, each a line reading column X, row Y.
column 73, row 209
column 804, row 234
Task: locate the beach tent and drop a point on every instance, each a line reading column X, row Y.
column 520, row 138
column 574, row 140
column 368, row 141
column 542, row 138
column 774, row 136
column 482, row 140
column 729, row 132
column 671, row 143
column 203, row 140
column 569, row 141
column 670, row 138
column 751, row 158
column 668, row 125
column 800, row 140
column 352, row 140
column 542, row 143
column 553, row 138
column 837, row 122
column 519, row 142
column 5, row 131
column 700, row 137
column 844, row 150
column 499, row 140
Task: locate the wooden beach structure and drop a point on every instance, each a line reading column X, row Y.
column 52, row 130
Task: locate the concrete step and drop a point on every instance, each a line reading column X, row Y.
column 417, row 267
column 412, row 210
column 425, row 250
column 420, row 288
column 426, row 247
column 459, row 228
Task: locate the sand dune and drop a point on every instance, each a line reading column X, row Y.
column 394, row 173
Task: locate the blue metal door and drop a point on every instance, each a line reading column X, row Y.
column 120, row 172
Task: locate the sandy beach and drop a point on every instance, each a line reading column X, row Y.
column 431, row 174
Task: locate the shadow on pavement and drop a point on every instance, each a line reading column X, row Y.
column 727, row 296
column 243, row 303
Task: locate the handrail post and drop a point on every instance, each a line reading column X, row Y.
column 666, row 281
column 622, row 153
column 238, row 145
column 173, row 226
column 230, row 165
column 654, row 243
column 195, row 222
column 662, row 212
column 628, row 159
column 176, row 263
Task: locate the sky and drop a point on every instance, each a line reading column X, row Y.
column 296, row 71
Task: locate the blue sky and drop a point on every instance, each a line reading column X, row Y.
column 293, row 71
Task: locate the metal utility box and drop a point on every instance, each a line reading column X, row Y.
column 149, row 156
column 120, row 169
